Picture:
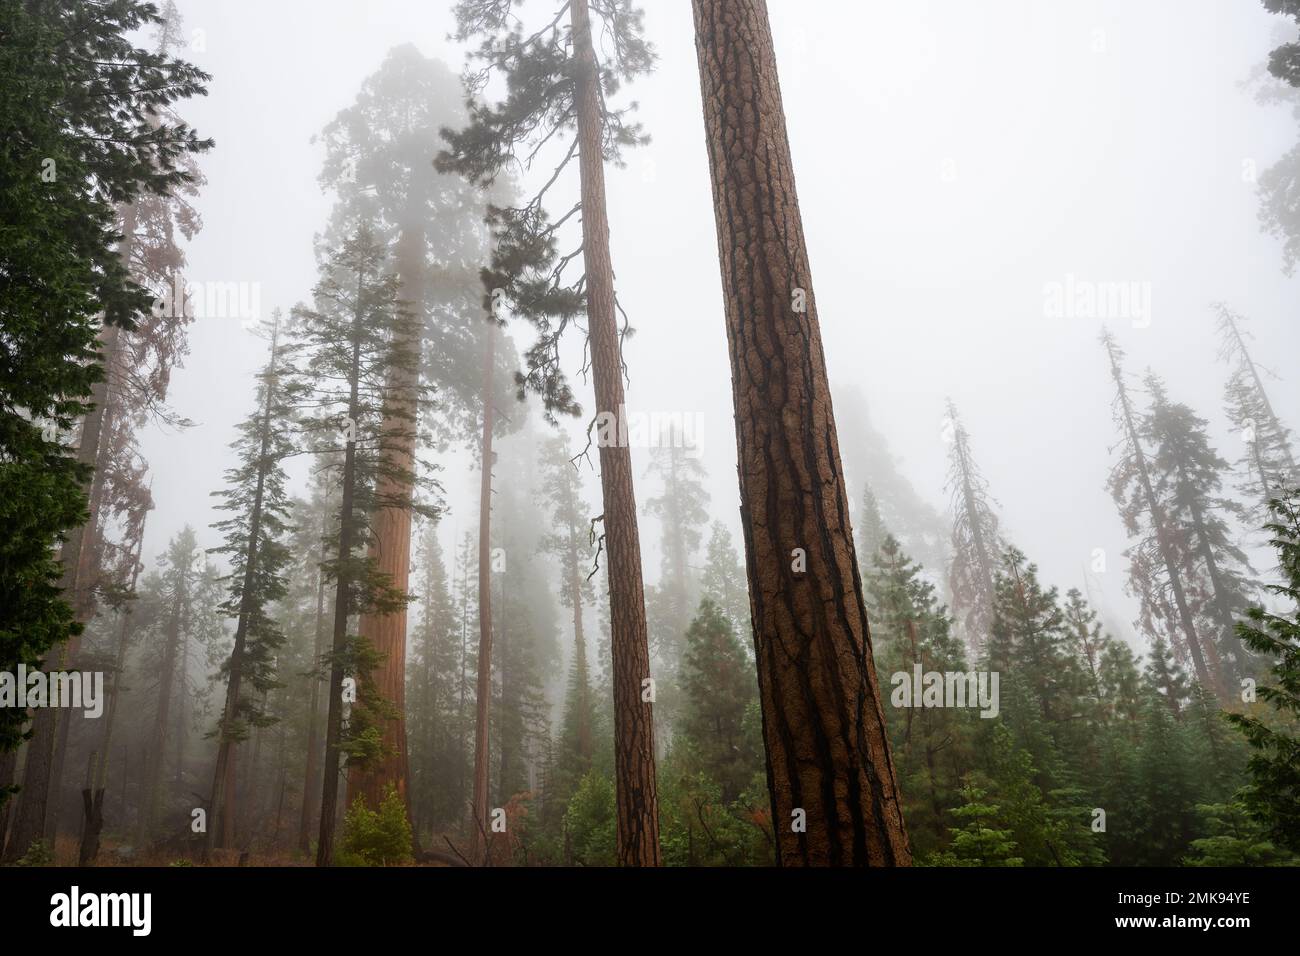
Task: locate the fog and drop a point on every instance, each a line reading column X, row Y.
column 953, row 162
column 376, row 619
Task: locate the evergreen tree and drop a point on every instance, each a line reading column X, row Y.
column 1031, row 647
column 1165, row 678
column 569, row 541
column 1120, row 682
column 175, row 591
column 723, row 582
column 976, row 541
column 1277, row 184
column 1156, row 576
column 432, row 695
column 80, row 116
column 1234, row 839
column 377, row 161
column 526, row 631
column 1167, row 785
column 930, row 744
column 1188, row 474
column 719, row 689
column 871, row 529
column 1268, row 463
column 344, row 349
column 1273, row 796
column 977, row 842
column 256, row 498
column 682, row 509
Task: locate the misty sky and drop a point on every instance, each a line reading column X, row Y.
column 952, row 160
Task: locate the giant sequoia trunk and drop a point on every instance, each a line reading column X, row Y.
column 634, row 748
column 829, row 765
column 479, row 807
column 391, row 551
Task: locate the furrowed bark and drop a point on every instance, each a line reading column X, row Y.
column 634, row 748
column 828, row 757
column 391, row 549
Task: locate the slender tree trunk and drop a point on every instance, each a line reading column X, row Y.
column 1284, row 447
column 225, row 747
column 464, row 679
column 636, row 794
column 339, row 646
column 339, row 643
column 585, row 746
column 119, row 667
column 154, row 760
column 483, row 687
column 829, row 764
column 391, row 551
column 8, row 765
column 311, row 777
column 182, row 710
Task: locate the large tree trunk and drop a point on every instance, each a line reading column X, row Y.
column 391, row 551
column 483, row 688
column 828, row 756
column 634, row 737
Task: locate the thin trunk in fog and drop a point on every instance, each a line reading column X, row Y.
column 343, row 584
column 311, row 776
column 585, row 746
column 166, row 678
column 478, row 806
column 636, row 794
column 219, row 831
column 1276, row 426
column 829, row 764
column 119, row 667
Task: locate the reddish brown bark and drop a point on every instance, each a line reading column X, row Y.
column 634, row 745
column 827, row 751
column 391, row 550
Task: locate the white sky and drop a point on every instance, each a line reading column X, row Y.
column 952, row 158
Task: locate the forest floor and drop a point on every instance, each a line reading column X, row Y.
column 120, row 851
